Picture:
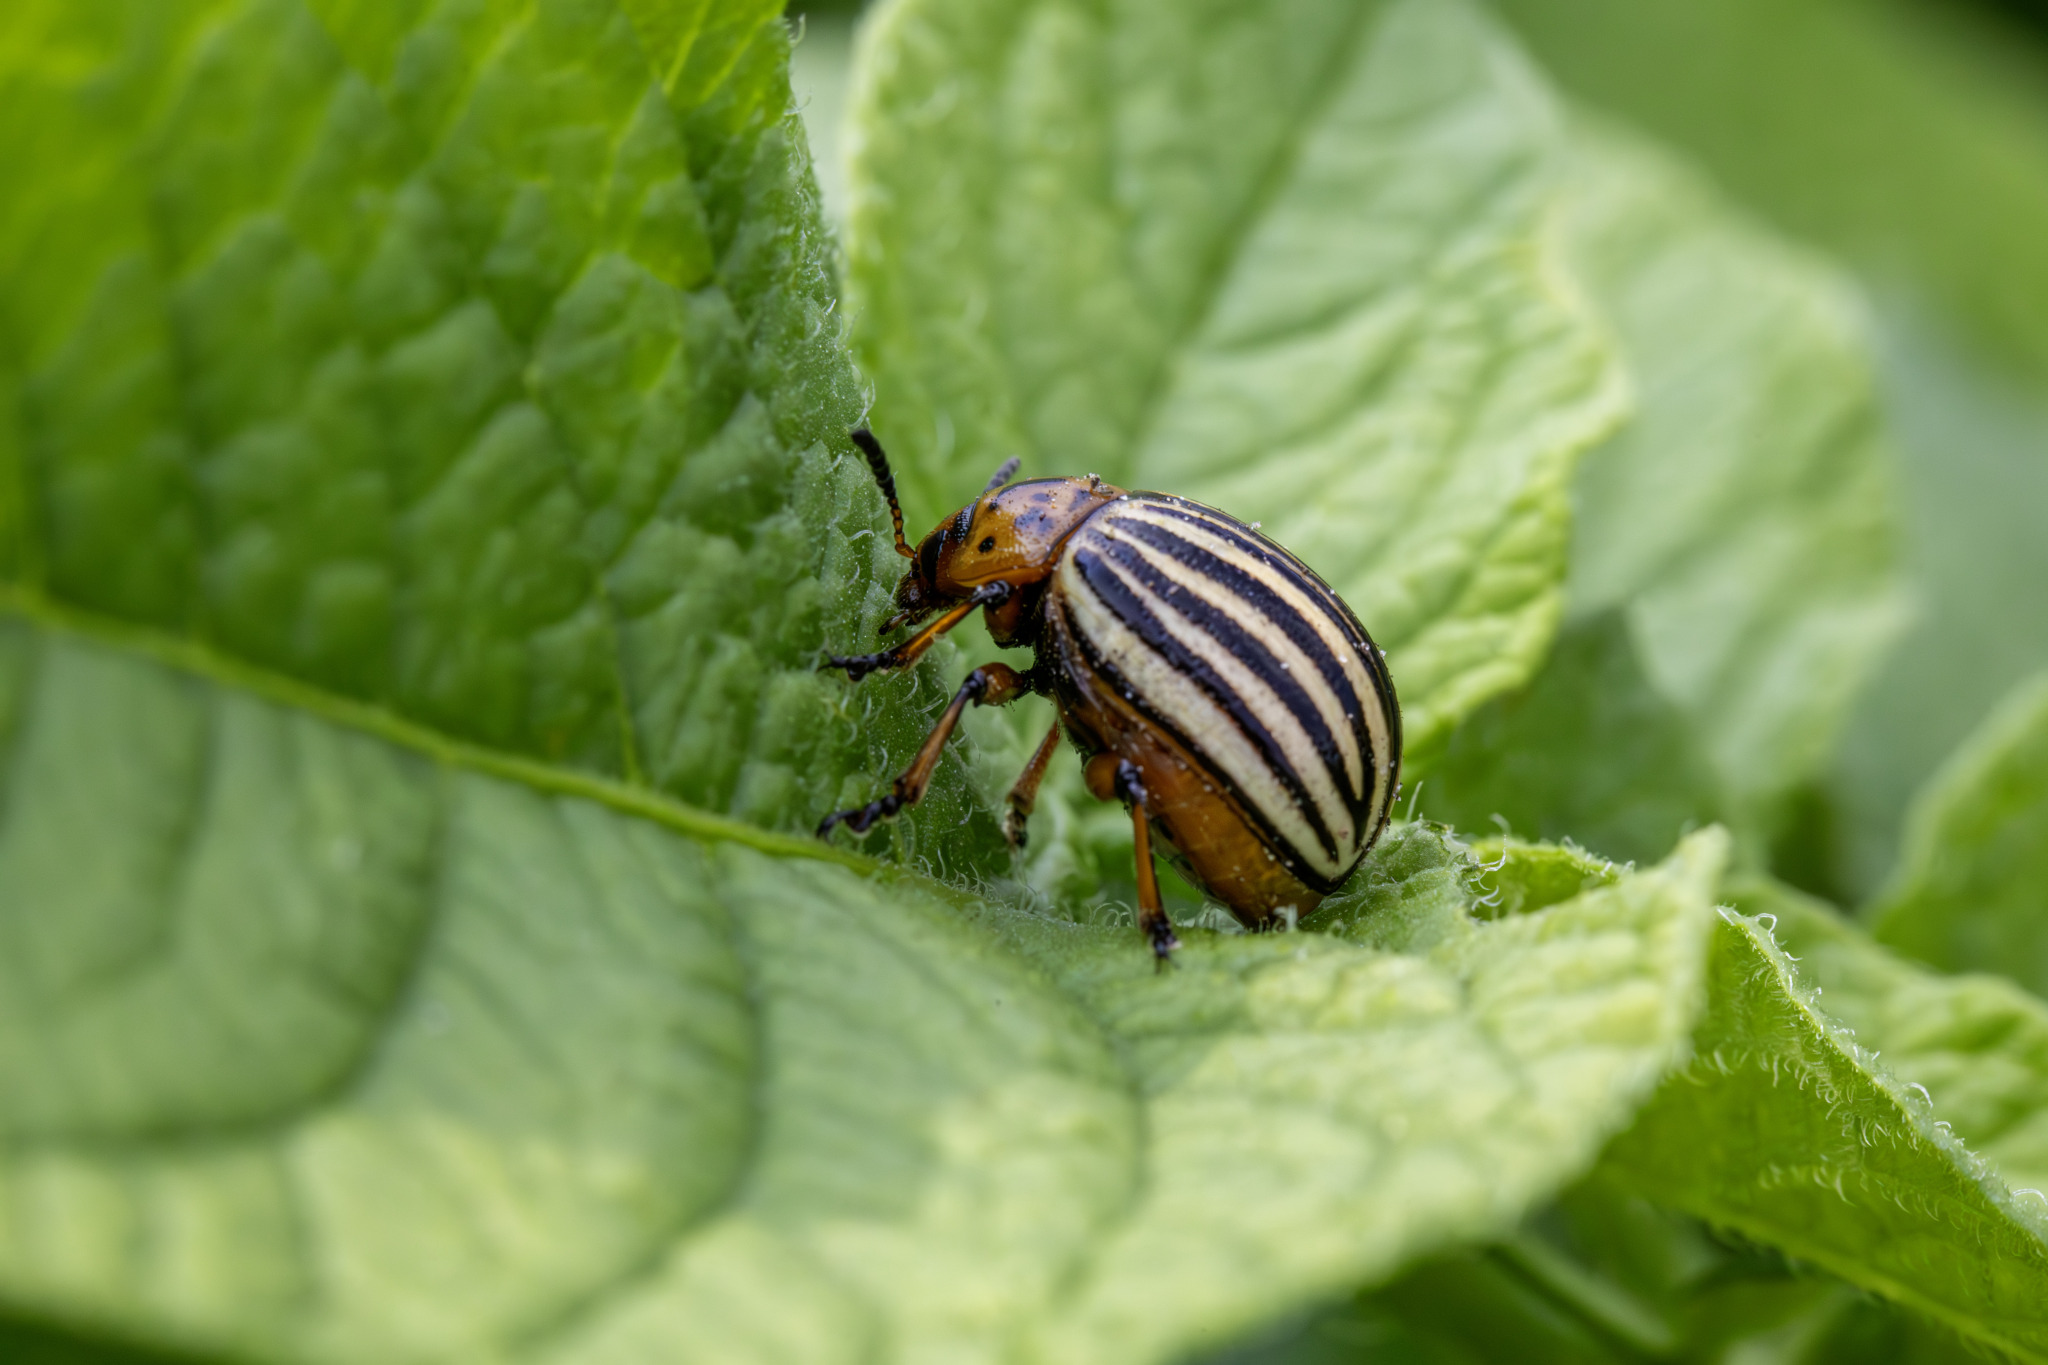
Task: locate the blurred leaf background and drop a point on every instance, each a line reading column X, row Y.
column 424, row 498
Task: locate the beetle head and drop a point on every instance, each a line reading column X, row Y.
column 1012, row 534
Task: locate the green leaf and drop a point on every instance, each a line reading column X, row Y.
column 1590, row 750
column 1971, row 892
column 1744, row 520
column 1918, row 154
column 361, row 1043
column 1519, row 878
column 437, row 359
column 1976, row 1044
column 1481, row 1056
column 1733, row 576
column 1784, row 1129
column 1912, row 140
column 1605, row 1275
column 1974, row 481
column 1291, row 261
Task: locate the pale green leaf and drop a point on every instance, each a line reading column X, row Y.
column 1976, row 1044
column 1911, row 139
column 1478, row 1058
column 362, row 1044
column 1744, row 520
column 1290, row 259
column 1784, row 1129
column 1733, row 559
column 1974, row 483
column 1971, row 891
column 1605, row 1275
column 1518, row 878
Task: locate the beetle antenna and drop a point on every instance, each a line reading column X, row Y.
column 1004, row 473
column 879, row 462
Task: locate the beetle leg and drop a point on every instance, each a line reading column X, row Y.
column 989, row 685
column 1024, row 795
column 1152, row 920
column 858, row 666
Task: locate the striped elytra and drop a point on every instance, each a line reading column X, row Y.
column 1209, row 679
column 1241, row 654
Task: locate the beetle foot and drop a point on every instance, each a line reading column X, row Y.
column 858, row 666
column 861, row 819
column 1160, row 933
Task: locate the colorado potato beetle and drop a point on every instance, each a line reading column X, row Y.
column 1209, row 679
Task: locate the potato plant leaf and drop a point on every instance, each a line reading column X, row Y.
column 1920, row 158
column 476, row 362
column 424, row 506
column 1971, row 890
column 1734, row 555
column 1787, row 1130
column 361, row 1043
column 1976, row 1044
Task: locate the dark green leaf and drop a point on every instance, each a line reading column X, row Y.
column 442, row 361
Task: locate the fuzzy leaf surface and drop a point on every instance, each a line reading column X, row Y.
column 475, row 362
column 1785, row 1129
column 1976, row 1043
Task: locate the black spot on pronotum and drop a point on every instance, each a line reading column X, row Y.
column 988, row 543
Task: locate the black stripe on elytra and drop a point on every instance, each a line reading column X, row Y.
column 1230, row 529
column 1103, row 580
column 1250, row 651
column 1259, row 597
column 1113, row 677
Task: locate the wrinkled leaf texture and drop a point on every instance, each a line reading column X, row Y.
column 1790, row 1131
column 1734, row 555
column 387, row 1046
column 1922, row 162
column 422, row 517
column 1844, row 1106
column 439, row 360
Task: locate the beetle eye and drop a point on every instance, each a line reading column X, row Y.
column 988, row 544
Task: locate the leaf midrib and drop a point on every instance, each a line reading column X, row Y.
column 195, row 659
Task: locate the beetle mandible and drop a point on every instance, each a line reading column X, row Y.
column 1210, row 680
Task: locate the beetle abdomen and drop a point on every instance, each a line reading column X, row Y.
column 1243, row 655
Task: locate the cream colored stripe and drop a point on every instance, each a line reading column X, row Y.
column 1255, row 623
column 1265, row 704
column 1171, row 693
column 1312, row 608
